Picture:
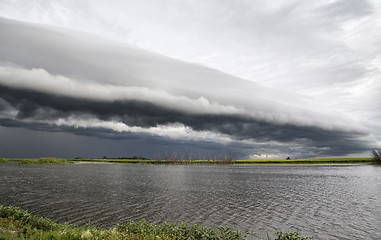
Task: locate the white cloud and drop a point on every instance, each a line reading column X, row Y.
column 268, row 156
column 175, row 131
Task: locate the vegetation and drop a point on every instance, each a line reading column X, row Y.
column 36, row 160
column 307, row 161
column 376, row 153
column 289, row 236
column 18, row 224
column 180, row 158
column 134, row 157
column 173, row 158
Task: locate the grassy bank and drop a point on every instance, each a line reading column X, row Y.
column 308, row 161
column 18, row 224
column 151, row 161
column 234, row 162
column 110, row 160
column 36, row 160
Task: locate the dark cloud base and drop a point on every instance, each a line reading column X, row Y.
column 36, row 105
column 33, row 105
column 24, row 140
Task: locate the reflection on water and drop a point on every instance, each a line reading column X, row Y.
column 327, row 202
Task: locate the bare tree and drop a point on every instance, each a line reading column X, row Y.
column 376, row 153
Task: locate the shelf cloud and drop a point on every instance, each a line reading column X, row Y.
column 62, row 81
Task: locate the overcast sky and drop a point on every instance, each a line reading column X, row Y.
column 254, row 79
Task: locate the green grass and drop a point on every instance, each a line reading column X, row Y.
column 18, row 224
column 307, row 161
column 110, row 160
column 50, row 160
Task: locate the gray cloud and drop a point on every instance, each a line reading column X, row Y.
column 36, row 105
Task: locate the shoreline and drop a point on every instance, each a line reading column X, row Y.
column 303, row 164
column 317, row 161
column 236, row 164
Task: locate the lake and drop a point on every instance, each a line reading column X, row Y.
column 327, row 202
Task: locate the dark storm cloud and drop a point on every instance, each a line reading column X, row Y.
column 47, row 143
column 155, row 146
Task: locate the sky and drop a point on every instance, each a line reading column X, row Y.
column 250, row 79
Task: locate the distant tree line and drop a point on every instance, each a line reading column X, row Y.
column 134, row 157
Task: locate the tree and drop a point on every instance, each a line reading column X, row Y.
column 376, row 153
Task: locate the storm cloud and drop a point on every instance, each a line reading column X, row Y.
column 60, row 80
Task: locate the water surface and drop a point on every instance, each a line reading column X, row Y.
column 327, row 202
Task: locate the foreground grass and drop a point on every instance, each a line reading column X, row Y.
column 18, row 224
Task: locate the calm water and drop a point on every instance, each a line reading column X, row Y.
column 327, row 202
